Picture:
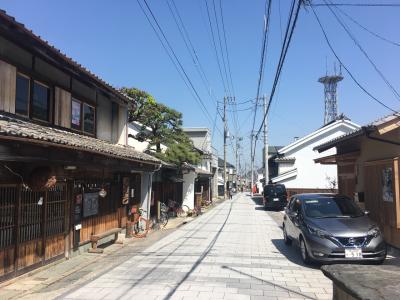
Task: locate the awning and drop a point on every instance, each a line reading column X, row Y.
column 28, row 132
column 338, row 158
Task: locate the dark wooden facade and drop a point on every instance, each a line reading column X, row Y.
column 37, row 227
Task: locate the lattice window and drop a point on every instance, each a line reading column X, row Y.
column 8, row 201
column 55, row 210
column 31, row 213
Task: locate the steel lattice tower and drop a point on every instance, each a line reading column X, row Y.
column 331, row 101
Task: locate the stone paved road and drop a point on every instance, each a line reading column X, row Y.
column 235, row 251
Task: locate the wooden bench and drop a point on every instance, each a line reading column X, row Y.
column 96, row 237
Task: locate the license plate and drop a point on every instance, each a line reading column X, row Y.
column 276, row 199
column 353, row 253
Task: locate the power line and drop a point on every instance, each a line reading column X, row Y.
column 215, row 46
column 190, row 48
column 220, row 48
column 226, row 47
column 267, row 15
column 198, row 98
column 391, row 87
column 357, row 4
column 292, row 20
column 344, row 66
column 366, row 29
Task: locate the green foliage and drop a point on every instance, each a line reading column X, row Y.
column 165, row 127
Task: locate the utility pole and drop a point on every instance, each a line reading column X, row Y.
column 252, row 164
column 266, row 174
column 225, row 135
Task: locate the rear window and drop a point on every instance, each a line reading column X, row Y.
column 275, row 189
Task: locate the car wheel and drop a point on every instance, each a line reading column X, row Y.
column 286, row 239
column 304, row 252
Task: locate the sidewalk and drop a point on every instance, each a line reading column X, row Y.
column 56, row 278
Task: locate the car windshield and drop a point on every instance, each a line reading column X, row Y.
column 331, row 207
column 272, row 189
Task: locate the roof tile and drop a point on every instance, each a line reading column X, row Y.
column 10, row 126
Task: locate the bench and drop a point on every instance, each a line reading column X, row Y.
column 96, row 237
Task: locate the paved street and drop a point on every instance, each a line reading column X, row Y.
column 235, row 251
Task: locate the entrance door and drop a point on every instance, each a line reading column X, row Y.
column 32, row 227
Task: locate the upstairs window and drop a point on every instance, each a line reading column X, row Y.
column 40, row 101
column 88, row 118
column 76, row 115
column 22, row 95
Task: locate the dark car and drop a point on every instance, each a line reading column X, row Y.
column 332, row 228
column 275, row 196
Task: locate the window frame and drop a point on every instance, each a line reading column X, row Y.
column 82, row 127
column 29, row 95
column 83, row 119
column 74, row 99
column 49, row 112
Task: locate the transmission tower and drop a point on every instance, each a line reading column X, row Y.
column 331, row 101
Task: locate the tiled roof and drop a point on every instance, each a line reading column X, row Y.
column 356, row 133
column 29, row 33
column 37, row 134
column 285, row 159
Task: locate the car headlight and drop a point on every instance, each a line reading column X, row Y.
column 318, row 232
column 374, row 231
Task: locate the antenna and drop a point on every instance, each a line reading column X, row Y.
column 331, row 101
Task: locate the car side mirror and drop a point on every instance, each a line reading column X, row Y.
column 366, row 212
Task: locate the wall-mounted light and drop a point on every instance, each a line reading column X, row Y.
column 70, row 168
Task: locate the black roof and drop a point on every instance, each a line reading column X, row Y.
column 221, row 164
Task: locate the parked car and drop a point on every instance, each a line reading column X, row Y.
column 332, row 228
column 274, row 196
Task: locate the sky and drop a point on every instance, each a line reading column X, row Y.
column 114, row 40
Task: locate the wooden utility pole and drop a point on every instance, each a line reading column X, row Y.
column 252, row 164
column 266, row 172
column 225, row 136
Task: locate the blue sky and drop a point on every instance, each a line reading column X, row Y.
column 114, row 40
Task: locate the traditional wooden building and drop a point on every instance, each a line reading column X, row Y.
column 368, row 171
column 66, row 172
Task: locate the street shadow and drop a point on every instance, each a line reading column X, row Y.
column 143, row 252
column 267, row 282
column 201, row 258
column 292, row 253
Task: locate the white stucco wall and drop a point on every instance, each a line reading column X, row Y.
column 188, row 189
column 133, row 130
column 146, row 183
column 285, row 166
column 310, row 174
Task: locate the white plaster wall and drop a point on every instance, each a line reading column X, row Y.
column 310, row 174
column 122, row 125
column 188, row 189
column 146, row 183
column 285, row 166
column 133, row 129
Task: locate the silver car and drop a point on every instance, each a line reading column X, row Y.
column 332, row 228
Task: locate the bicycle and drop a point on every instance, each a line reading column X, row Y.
column 180, row 212
column 206, row 203
column 141, row 225
column 164, row 217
